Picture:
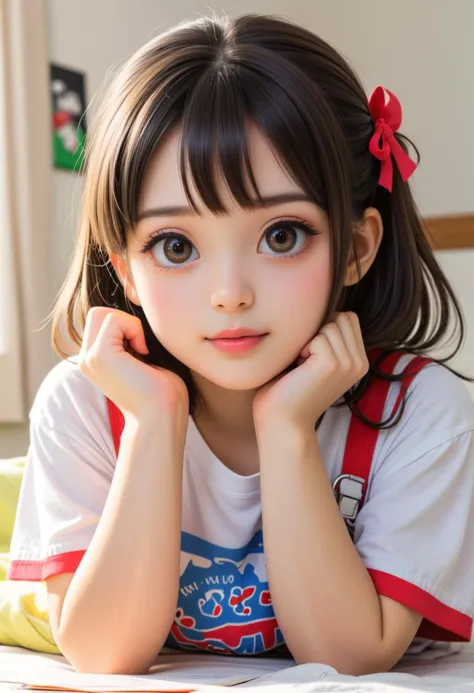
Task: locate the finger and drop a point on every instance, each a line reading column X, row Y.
column 95, row 318
column 350, row 328
column 337, row 341
column 120, row 326
column 322, row 350
column 357, row 330
column 346, row 329
column 305, row 352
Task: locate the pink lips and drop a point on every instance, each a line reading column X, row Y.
column 237, row 341
column 236, row 346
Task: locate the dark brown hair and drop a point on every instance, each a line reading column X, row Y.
column 209, row 77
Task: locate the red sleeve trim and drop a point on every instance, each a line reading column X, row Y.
column 42, row 570
column 440, row 622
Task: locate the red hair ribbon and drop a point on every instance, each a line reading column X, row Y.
column 383, row 145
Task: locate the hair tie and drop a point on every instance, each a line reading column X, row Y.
column 387, row 115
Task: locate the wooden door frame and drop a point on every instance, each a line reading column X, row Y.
column 448, row 232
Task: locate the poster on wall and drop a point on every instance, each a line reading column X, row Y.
column 69, row 121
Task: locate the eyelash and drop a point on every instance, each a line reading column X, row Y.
column 305, row 226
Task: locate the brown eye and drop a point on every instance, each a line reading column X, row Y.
column 172, row 250
column 281, row 240
column 177, row 249
column 286, row 236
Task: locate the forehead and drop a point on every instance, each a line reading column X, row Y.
column 162, row 184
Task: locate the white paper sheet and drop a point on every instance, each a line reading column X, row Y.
column 446, row 674
column 172, row 672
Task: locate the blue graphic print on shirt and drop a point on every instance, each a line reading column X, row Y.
column 223, row 606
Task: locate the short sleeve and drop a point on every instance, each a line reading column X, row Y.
column 415, row 532
column 67, row 478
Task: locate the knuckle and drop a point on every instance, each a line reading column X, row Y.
column 96, row 311
column 329, row 330
column 345, row 365
column 322, row 341
column 95, row 317
column 108, row 318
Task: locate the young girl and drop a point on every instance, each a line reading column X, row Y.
column 248, row 453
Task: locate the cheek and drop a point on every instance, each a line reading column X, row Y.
column 311, row 286
column 165, row 303
column 305, row 292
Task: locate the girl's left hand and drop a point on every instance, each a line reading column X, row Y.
column 333, row 361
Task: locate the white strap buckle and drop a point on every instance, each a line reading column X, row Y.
column 348, row 490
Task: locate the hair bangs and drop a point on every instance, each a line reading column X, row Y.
column 214, row 149
column 214, row 152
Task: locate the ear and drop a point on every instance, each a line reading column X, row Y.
column 367, row 238
column 122, row 271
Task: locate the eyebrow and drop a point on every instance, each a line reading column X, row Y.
column 268, row 201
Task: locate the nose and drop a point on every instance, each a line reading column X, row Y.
column 231, row 290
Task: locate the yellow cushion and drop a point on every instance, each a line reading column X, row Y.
column 23, row 605
column 11, row 474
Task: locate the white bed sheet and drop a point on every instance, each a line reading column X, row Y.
column 448, row 674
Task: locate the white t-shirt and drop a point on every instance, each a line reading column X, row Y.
column 414, row 533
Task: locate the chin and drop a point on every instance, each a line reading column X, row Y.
column 238, row 382
column 238, row 379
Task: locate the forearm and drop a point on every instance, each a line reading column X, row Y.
column 122, row 599
column 323, row 596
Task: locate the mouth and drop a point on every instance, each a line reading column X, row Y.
column 239, row 344
column 237, row 333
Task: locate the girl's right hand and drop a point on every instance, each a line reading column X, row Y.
column 136, row 388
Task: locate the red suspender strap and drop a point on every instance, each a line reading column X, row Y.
column 361, row 439
column 351, row 485
column 117, row 423
column 410, row 370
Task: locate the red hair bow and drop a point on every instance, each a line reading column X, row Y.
column 383, row 145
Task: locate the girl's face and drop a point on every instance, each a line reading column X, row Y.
column 266, row 269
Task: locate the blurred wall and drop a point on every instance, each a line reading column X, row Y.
column 420, row 49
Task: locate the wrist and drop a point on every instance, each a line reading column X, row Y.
column 159, row 426
column 145, row 445
column 153, row 417
column 283, row 429
column 285, row 440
